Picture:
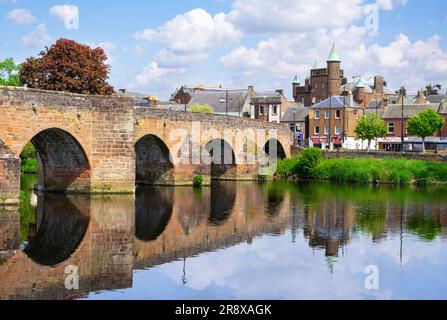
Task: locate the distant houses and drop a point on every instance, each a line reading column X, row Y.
column 325, row 110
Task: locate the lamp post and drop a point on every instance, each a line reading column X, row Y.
column 294, row 128
column 403, row 93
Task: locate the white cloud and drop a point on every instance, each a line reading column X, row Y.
column 390, row 4
column 38, row 37
column 21, row 16
column 155, row 79
column 64, row 12
column 191, row 35
column 402, row 61
column 294, row 15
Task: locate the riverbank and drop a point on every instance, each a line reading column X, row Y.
column 363, row 170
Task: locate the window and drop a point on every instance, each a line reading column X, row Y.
column 302, row 101
column 317, row 114
column 298, row 127
column 337, row 129
column 337, row 114
column 317, row 130
column 316, row 86
column 327, row 114
column 323, row 85
column 390, row 128
column 327, row 129
column 275, row 111
column 261, row 110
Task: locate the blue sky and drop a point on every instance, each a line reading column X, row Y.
column 157, row 46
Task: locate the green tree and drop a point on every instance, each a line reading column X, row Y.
column 370, row 127
column 9, row 73
column 425, row 125
column 201, row 108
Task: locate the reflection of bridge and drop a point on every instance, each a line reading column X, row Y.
column 96, row 234
column 103, row 144
column 107, row 239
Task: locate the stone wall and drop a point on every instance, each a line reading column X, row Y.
column 9, row 176
column 86, row 142
column 435, row 157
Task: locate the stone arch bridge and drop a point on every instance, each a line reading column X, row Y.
column 93, row 144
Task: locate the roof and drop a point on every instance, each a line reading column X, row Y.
column 374, row 103
column 217, row 99
column 295, row 80
column 170, row 106
column 336, row 102
column 409, row 99
column 360, row 83
column 131, row 94
column 394, row 111
column 437, row 98
column 295, row 114
column 333, row 57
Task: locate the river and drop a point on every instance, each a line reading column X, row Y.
column 229, row 241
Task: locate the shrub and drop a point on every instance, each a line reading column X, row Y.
column 307, row 162
column 287, row 167
column 197, row 181
column 201, row 108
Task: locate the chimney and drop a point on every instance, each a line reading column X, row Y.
column 379, row 84
column 421, row 99
column 281, row 92
column 350, row 98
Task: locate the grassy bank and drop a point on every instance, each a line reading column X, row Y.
column 383, row 171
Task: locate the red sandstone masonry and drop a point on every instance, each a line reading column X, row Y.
column 99, row 127
column 87, row 142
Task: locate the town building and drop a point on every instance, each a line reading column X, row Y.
column 332, row 123
column 396, row 117
column 270, row 106
column 331, row 81
column 231, row 102
column 297, row 118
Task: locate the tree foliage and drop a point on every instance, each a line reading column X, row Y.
column 370, row 127
column 201, row 108
column 425, row 124
column 9, row 73
column 68, row 66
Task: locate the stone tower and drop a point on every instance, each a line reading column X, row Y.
column 295, row 86
column 334, row 73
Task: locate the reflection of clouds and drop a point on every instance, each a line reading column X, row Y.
column 274, row 268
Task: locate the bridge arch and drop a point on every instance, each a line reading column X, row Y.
column 276, row 144
column 153, row 161
column 59, row 230
column 223, row 159
column 153, row 212
column 63, row 164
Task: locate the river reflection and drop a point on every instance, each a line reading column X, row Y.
column 228, row 241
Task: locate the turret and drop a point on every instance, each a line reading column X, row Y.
column 360, row 91
column 295, row 86
column 334, row 73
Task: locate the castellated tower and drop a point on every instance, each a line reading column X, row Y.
column 334, row 73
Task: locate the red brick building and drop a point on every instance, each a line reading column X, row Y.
column 324, row 83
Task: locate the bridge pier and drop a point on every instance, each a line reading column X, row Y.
column 240, row 172
column 9, row 176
